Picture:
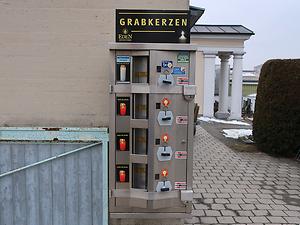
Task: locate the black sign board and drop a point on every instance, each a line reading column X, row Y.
column 153, row 26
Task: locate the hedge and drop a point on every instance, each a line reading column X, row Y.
column 276, row 123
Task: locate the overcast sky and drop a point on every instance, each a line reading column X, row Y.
column 276, row 24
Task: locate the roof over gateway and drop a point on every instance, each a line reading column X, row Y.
column 221, row 29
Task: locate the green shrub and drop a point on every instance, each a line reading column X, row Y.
column 276, row 124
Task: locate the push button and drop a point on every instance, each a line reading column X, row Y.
column 165, row 118
column 164, row 186
column 164, row 153
column 166, row 80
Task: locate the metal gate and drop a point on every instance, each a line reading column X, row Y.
column 53, row 177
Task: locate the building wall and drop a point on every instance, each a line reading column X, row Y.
column 206, row 44
column 199, row 80
column 221, row 43
column 249, row 89
column 54, row 59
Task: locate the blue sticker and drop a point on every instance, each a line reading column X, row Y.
column 167, row 64
column 123, row 59
column 179, row 71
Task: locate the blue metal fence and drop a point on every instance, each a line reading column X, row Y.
column 53, row 176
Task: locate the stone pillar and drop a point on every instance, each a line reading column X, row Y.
column 209, row 84
column 237, row 85
column 223, row 87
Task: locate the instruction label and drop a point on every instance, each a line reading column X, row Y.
column 181, row 155
column 167, row 64
column 182, row 120
column 179, row 70
column 180, row 185
column 183, row 57
column 182, row 80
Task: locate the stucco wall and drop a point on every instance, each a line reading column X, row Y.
column 215, row 45
column 54, row 59
column 219, row 43
column 199, row 80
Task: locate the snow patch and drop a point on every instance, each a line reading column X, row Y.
column 237, row 133
column 234, row 122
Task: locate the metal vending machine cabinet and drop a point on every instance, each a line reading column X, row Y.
column 151, row 131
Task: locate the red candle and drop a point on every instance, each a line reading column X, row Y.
column 122, row 176
column 122, row 143
column 123, row 109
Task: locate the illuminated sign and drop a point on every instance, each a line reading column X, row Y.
column 153, row 26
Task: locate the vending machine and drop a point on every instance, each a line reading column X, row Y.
column 152, row 90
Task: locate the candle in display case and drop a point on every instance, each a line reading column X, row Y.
column 122, row 73
column 122, row 144
column 123, row 109
column 122, row 176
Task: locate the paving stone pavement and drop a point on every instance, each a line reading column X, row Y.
column 242, row 188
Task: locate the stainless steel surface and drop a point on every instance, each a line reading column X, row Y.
column 152, row 46
column 143, row 194
column 150, row 216
column 134, row 196
column 186, row 195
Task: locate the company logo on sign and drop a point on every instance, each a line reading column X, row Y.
column 153, row 26
column 125, row 36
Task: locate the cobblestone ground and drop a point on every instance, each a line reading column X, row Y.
column 242, row 188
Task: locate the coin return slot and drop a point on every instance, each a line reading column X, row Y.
column 165, row 154
column 167, row 82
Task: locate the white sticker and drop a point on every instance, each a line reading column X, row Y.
column 182, row 120
column 180, row 185
column 181, row 155
column 182, row 80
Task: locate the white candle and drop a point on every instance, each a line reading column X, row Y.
column 122, row 73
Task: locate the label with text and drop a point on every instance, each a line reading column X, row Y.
column 181, row 155
column 182, row 120
column 180, row 185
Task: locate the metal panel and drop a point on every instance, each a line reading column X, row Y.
column 6, row 184
column 180, row 170
column 67, row 190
